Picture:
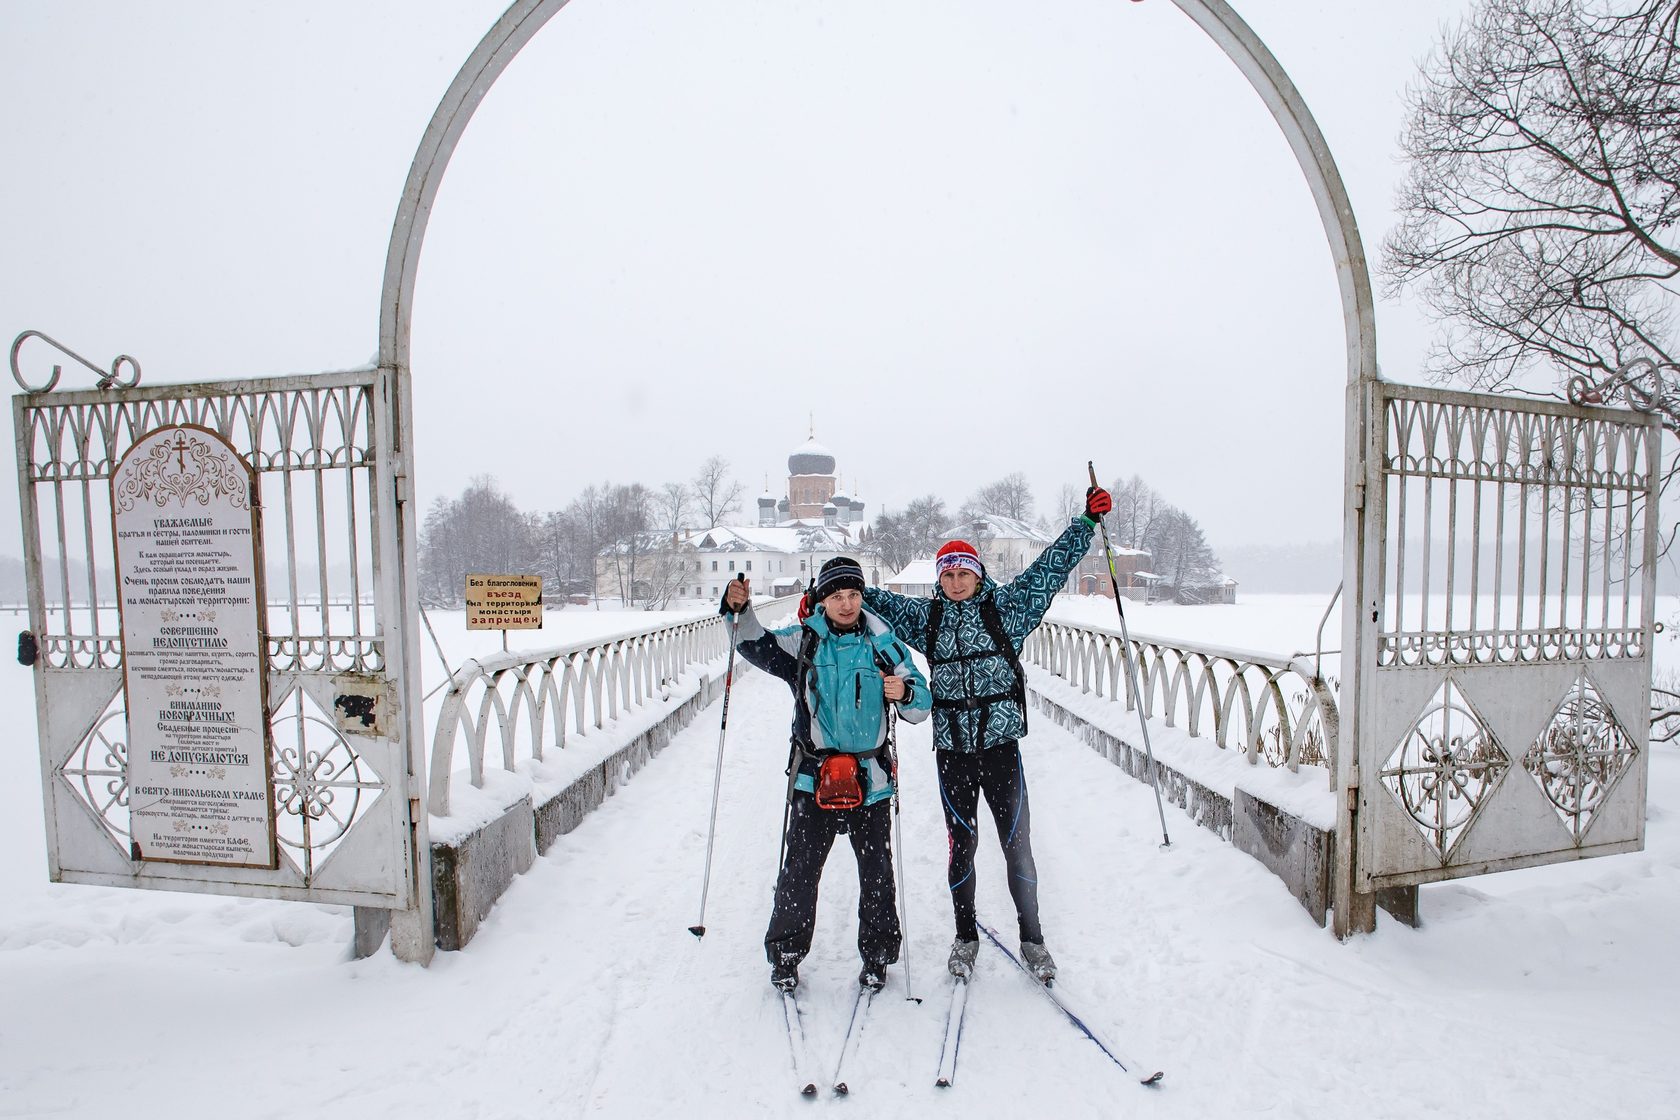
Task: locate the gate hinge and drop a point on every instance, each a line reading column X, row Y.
column 1359, row 495
column 399, row 471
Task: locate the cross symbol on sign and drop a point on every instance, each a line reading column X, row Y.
column 180, row 449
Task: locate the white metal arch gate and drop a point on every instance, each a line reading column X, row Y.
column 1586, row 463
column 525, row 18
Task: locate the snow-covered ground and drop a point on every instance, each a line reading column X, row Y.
column 1542, row 993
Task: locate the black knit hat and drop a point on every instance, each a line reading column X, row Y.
column 840, row 574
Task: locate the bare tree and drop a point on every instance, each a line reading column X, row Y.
column 1136, row 508
column 1070, row 503
column 716, row 494
column 630, row 539
column 1010, row 496
column 481, row 531
column 889, row 541
column 587, row 528
column 1179, row 553
column 1540, row 215
column 675, row 506
column 925, row 524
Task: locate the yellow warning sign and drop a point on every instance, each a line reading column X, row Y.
column 503, row 602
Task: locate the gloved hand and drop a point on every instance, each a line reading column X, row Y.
column 1097, row 503
column 736, row 594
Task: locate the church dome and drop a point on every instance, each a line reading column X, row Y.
column 811, row 457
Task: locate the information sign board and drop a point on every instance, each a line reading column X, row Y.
column 189, row 570
column 503, row 602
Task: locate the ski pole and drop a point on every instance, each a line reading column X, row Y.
column 698, row 929
column 1131, row 667
column 898, row 851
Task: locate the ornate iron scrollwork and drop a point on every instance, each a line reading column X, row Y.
column 1639, row 383
column 1580, row 756
column 1444, row 768
column 107, row 380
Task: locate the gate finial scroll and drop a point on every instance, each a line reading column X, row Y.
column 113, row 379
column 1640, row 383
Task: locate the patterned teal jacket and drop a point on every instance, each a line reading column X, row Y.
column 966, row 664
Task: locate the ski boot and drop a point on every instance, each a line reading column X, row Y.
column 873, row 977
column 1039, row 961
column 784, row 973
column 962, row 957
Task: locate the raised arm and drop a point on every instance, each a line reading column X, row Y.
column 1025, row 598
column 774, row 651
column 907, row 616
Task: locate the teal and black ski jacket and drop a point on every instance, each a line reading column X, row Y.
column 843, row 709
column 976, row 700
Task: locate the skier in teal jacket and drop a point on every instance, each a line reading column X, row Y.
column 845, row 669
column 971, row 631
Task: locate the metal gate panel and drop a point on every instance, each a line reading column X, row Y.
column 320, row 447
column 1511, row 602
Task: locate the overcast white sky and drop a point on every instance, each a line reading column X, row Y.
column 971, row 236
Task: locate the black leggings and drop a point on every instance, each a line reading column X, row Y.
column 810, row 835
column 997, row 771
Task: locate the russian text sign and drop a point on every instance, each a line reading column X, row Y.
column 190, row 593
column 503, row 602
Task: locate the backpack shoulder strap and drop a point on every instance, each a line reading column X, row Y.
column 808, row 639
column 935, row 613
column 993, row 620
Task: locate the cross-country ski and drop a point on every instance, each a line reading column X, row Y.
column 952, row 1037
column 854, row 1039
column 1144, row 1074
column 796, row 1044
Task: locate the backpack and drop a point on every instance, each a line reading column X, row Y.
column 992, row 619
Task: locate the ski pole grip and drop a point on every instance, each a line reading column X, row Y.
column 1092, row 467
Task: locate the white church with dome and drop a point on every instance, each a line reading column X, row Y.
column 795, row 534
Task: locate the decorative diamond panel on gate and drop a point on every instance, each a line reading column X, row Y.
column 1580, row 756
column 1505, row 593
column 97, row 773
column 322, row 786
column 1444, row 769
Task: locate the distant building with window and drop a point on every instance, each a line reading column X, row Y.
column 795, row 534
column 778, row 559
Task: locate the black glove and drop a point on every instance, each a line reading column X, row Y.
column 28, row 651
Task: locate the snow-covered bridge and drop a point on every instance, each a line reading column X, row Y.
column 583, row 992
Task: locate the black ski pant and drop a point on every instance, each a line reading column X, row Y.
column 995, row 771
column 810, row 835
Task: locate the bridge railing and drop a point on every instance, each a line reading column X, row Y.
column 1271, row 708
column 516, row 705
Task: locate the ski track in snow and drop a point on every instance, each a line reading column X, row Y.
column 584, row 994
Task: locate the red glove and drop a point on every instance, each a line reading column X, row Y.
column 806, row 606
column 1097, row 503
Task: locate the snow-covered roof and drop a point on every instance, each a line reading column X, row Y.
column 997, row 526
column 1145, row 575
column 917, row 572
column 789, row 539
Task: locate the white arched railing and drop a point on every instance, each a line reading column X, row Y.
column 516, row 705
column 1270, row 708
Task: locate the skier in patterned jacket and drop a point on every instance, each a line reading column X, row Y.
column 845, row 668
column 971, row 631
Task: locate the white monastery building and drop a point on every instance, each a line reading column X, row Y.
column 795, row 534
